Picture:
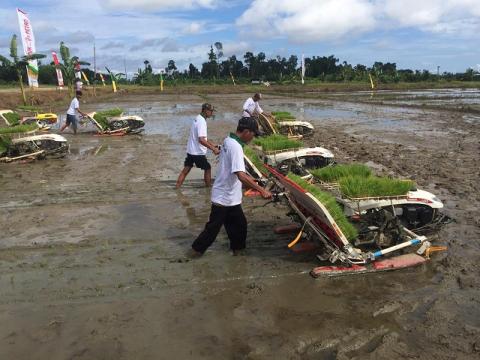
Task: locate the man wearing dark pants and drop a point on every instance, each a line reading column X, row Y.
column 197, row 147
column 227, row 192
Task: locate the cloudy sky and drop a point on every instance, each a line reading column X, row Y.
column 416, row 34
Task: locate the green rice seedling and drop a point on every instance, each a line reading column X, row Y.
column 5, row 142
column 334, row 173
column 18, row 129
column 281, row 113
column 373, row 186
column 13, row 118
column 102, row 116
column 277, row 142
column 283, row 116
column 330, row 203
column 250, row 153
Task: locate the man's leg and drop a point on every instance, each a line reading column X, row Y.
column 207, row 177
column 236, row 227
column 182, row 176
column 212, row 227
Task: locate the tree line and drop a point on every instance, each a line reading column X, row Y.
column 221, row 69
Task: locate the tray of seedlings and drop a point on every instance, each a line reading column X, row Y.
column 20, row 142
column 287, row 124
column 42, row 120
column 288, row 155
column 113, row 122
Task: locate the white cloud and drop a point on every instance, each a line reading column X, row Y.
column 307, row 21
column 193, row 28
column 158, row 5
column 303, row 21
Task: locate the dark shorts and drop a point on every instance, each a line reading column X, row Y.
column 200, row 161
column 72, row 120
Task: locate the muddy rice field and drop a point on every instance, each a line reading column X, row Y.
column 92, row 246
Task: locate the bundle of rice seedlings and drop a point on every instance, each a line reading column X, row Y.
column 373, row 186
column 283, row 116
column 250, row 153
column 5, row 142
column 13, row 118
column 277, row 142
column 330, row 203
column 18, row 129
column 102, row 116
column 334, row 173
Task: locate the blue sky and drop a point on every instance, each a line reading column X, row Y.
column 416, row 34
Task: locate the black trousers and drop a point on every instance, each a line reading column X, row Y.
column 232, row 218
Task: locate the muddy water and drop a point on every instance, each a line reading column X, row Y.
column 92, row 265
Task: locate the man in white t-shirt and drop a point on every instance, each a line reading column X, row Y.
column 251, row 107
column 227, row 192
column 197, row 147
column 72, row 111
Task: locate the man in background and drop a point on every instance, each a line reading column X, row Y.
column 72, row 111
column 197, row 147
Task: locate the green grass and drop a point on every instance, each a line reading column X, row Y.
column 330, row 203
column 358, row 186
column 13, row 118
column 253, row 157
column 334, row 173
column 29, row 108
column 102, row 116
column 277, row 142
column 18, row 129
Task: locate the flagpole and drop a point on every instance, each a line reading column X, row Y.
column 94, row 69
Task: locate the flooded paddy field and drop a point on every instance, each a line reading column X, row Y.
column 92, row 246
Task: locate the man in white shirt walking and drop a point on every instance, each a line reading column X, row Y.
column 251, row 107
column 197, row 147
column 72, row 111
column 226, row 195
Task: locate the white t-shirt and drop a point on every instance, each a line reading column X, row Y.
column 74, row 105
column 252, row 107
column 227, row 189
column 198, row 129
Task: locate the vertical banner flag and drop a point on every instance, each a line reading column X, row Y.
column 28, row 42
column 57, row 68
column 303, row 68
column 101, row 77
column 85, row 78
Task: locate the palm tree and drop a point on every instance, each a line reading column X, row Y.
column 68, row 66
column 19, row 63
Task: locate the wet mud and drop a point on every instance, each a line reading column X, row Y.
column 92, row 246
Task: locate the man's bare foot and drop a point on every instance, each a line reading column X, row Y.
column 193, row 254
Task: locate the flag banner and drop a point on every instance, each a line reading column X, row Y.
column 28, row 42
column 85, row 78
column 103, row 80
column 57, row 68
column 303, row 68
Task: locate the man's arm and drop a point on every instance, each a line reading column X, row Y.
column 208, row 144
column 248, row 181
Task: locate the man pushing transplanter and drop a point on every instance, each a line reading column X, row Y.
column 226, row 195
column 251, row 107
column 197, row 147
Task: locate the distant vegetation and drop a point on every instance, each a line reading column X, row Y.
column 224, row 70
